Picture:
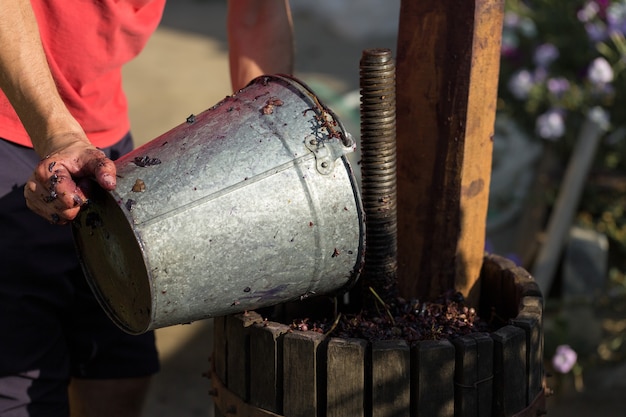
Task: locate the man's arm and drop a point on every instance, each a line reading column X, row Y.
column 57, row 137
column 260, row 37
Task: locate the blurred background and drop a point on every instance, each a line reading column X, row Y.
column 559, row 169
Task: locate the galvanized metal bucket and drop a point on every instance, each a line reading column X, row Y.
column 249, row 204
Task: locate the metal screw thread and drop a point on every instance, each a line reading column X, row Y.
column 378, row 168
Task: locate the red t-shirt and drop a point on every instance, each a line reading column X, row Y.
column 86, row 43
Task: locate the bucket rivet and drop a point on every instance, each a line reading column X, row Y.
column 324, row 164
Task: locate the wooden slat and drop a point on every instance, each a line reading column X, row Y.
column 491, row 286
column 510, row 294
column 237, row 333
column 530, row 319
column 510, row 379
column 473, row 375
column 502, row 281
column 219, row 348
column 345, row 370
column 266, row 365
column 432, row 379
column 527, row 286
column 301, row 370
column 219, row 356
column 391, row 379
column 484, row 344
column 232, row 405
column 447, row 74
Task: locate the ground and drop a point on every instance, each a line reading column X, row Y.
column 183, row 70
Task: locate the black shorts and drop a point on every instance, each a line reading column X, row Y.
column 51, row 326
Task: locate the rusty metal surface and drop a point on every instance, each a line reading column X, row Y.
column 248, row 204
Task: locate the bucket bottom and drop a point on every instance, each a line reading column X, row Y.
column 111, row 252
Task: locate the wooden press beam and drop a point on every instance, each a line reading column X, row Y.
column 448, row 58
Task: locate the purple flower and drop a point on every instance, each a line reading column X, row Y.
column 600, row 72
column 545, row 54
column 596, row 31
column 558, row 86
column 550, row 125
column 520, row 84
column 564, row 359
column 527, row 27
column 540, row 75
column 511, row 19
column 600, row 117
column 616, row 18
column 603, row 5
column 588, row 12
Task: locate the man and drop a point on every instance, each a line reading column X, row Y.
column 63, row 117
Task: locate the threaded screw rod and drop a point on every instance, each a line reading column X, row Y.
column 378, row 170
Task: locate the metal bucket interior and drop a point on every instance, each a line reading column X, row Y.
column 249, row 204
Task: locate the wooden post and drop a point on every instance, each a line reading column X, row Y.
column 447, row 75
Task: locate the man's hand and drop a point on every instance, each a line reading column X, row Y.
column 59, row 185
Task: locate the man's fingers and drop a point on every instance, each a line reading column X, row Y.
column 62, row 191
column 104, row 171
column 55, row 197
column 51, row 211
column 57, row 189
